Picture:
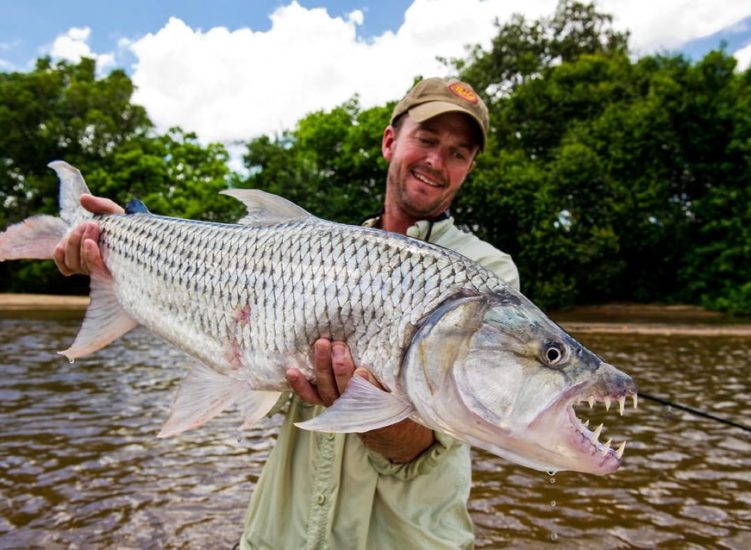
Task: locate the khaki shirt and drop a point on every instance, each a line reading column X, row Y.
column 328, row 491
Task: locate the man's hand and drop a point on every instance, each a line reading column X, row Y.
column 401, row 442
column 79, row 252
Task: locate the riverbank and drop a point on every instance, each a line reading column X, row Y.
column 601, row 319
column 42, row 302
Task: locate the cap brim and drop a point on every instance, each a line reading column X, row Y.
column 426, row 111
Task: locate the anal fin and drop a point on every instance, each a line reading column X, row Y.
column 105, row 319
column 204, row 393
column 254, row 405
column 361, row 408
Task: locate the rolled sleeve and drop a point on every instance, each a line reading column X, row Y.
column 441, row 449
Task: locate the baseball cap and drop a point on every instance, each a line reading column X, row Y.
column 434, row 96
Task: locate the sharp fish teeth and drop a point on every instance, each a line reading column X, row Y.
column 620, row 449
column 596, row 434
column 606, row 447
column 607, row 403
column 591, row 401
column 635, row 397
column 621, row 404
column 586, row 424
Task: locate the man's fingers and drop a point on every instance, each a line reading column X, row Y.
column 367, row 375
column 302, row 387
column 72, row 253
column 325, row 380
column 342, row 364
column 59, row 257
column 91, row 257
column 99, row 205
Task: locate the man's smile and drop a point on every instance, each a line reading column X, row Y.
column 428, row 180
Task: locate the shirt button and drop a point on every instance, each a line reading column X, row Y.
column 321, row 499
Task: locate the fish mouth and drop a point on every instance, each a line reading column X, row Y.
column 587, row 453
column 592, row 437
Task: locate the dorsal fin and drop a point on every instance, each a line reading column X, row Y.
column 72, row 187
column 136, row 206
column 265, row 208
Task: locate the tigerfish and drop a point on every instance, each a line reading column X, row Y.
column 454, row 347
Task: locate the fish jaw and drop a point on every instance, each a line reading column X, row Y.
column 573, row 444
column 504, row 378
column 555, row 440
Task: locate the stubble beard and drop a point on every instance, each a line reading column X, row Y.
column 407, row 205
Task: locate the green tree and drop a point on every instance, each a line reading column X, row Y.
column 59, row 111
column 630, row 176
column 330, row 164
column 523, row 50
column 64, row 111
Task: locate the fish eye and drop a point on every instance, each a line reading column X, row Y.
column 553, row 353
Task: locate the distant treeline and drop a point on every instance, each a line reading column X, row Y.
column 608, row 178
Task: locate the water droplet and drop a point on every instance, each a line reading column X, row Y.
column 71, row 361
column 553, row 536
column 552, row 503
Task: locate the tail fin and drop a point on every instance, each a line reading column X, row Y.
column 36, row 238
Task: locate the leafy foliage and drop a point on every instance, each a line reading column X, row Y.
column 606, row 177
column 65, row 112
column 330, row 164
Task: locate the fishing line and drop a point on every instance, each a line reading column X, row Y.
column 697, row 412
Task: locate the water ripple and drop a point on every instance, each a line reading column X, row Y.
column 80, row 465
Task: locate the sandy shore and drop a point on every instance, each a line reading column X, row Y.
column 606, row 319
column 42, row 302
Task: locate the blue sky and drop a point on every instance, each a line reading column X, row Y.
column 232, row 70
column 28, row 27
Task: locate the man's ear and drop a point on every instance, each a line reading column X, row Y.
column 388, row 142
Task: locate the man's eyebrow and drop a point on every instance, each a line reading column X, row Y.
column 426, row 126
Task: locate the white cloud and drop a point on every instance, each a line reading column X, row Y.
column 667, row 24
column 239, row 84
column 74, row 45
column 744, row 58
column 236, row 85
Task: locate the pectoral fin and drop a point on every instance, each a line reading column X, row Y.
column 361, row 408
column 105, row 319
column 203, row 394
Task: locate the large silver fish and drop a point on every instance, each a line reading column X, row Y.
column 456, row 349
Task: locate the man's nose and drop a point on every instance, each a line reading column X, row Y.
column 435, row 158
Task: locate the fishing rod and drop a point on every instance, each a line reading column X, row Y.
column 697, row 412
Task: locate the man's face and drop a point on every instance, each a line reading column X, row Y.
column 428, row 163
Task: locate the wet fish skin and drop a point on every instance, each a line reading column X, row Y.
column 270, row 292
column 456, row 349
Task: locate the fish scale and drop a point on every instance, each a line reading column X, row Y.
column 311, row 251
column 455, row 348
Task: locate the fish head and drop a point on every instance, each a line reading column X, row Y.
column 496, row 372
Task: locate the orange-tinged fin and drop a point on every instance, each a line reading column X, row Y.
column 105, row 319
column 34, row 238
column 203, row 394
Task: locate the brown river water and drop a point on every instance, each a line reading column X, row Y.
column 80, row 465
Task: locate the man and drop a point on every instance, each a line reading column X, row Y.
column 401, row 486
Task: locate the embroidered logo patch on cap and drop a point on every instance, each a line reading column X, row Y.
column 463, row 91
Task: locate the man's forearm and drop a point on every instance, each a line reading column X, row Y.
column 401, row 443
